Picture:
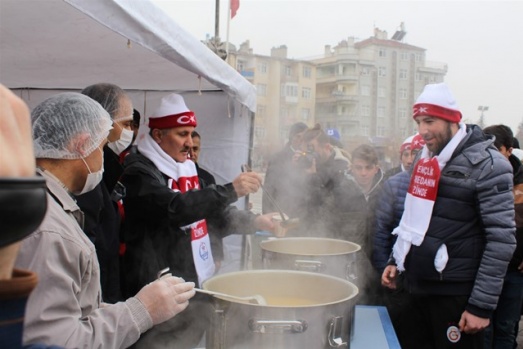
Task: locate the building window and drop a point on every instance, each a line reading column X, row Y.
column 365, row 71
column 365, row 131
column 263, row 68
column 306, row 93
column 403, row 93
column 288, row 70
column 305, row 114
column 382, row 71
column 290, row 91
column 402, row 113
column 403, row 74
column 261, row 89
column 419, row 57
column 404, row 56
column 381, row 91
column 260, row 111
column 307, row 72
column 380, row 131
column 365, row 110
column 365, row 90
column 381, row 112
column 382, row 52
column 240, row 65
column 259, row 131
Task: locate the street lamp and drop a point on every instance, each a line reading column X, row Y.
column 482, row 109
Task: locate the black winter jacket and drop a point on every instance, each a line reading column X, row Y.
column 389, row 209
column 474, row 217
column 153, row 217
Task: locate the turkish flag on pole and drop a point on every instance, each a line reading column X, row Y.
column 235, row 5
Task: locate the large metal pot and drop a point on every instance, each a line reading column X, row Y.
column 327, row 256
column 304, row 310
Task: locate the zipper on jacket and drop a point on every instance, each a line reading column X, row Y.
column 456, row 174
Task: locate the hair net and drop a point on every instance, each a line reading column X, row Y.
column 68, row 126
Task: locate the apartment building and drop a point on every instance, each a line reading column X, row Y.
column 364, row 90
column 286, row 94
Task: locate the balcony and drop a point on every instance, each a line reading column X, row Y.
column 434, row 67
column 248, row 74
column 289, row 99
column 347, row 77
column 337, row 96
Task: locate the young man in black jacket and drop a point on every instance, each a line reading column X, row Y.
column 501, row 332
column 457, row 233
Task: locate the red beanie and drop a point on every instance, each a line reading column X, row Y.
column 437, row 101
column 171, row 113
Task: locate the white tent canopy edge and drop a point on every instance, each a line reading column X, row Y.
column 47, row 46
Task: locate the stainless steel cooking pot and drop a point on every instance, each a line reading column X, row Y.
column 304, row 310
column 327, row 256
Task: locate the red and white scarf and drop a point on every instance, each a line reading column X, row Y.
column 419, row 202
column 183, row 177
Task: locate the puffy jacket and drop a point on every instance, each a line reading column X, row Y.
column 517, row 168
column 389, row 209
column 473, row 216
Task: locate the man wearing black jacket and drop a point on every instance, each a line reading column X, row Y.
column 501, row 333
column 100, row 206
column 457, row 233
column 169, row 215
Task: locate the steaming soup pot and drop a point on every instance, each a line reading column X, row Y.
column 327, row 256
column 304, row 310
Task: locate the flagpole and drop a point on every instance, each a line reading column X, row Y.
column 228, row 26
column 217, row 20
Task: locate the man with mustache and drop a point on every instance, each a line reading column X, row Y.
column 168, row 214
column 457, row 232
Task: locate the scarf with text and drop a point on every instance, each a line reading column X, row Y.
column 419, row 202
column 182, row 178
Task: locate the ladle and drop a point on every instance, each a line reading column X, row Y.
column 286, row 223
column 254, row 299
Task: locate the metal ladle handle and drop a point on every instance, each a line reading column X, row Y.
column 246, row 168
column 256, row 299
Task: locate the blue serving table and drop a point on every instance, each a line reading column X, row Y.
column 373, row 329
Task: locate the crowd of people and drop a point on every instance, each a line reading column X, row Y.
column 437, row 232
column 112, row 204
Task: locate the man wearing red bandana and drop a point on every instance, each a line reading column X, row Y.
column 169, row 215
column 457, row 232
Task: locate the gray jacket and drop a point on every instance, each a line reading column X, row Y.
column 65, row 308
column 474, row 217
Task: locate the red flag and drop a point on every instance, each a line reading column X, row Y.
column 235, row 5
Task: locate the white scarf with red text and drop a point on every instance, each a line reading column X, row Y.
column 419, row 202
column 183, row 177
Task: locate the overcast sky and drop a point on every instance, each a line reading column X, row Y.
column 481, row 41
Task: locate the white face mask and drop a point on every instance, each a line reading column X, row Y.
column 126, row 137
column 93, row 178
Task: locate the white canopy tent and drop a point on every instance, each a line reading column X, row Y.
column 50, row 46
